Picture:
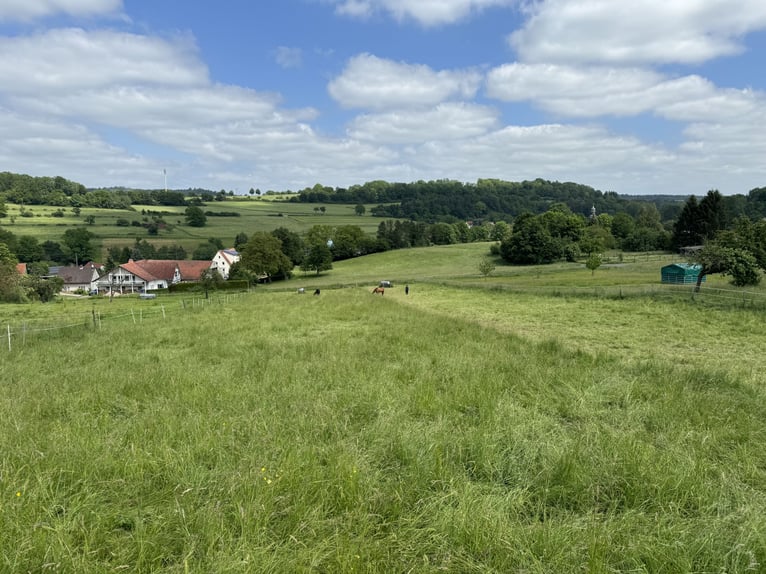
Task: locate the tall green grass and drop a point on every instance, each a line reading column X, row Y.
column 352, row 433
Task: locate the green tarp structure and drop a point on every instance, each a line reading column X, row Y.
column 681, row 273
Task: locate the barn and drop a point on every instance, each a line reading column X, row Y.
column 683, row 273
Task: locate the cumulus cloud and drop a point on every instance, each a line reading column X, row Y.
column 50, row 146
column 25, row 10
column 446, row 121
column 592, row 92
column 75, row 84
column 586, row 91
column 425, row 12
column 375, row 83
column 649, row 31
column 73, row 58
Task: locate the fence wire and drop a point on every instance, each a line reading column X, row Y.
column 16, row 332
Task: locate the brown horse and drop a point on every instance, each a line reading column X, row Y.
column 378, row 290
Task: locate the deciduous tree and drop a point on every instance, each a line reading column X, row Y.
column 737, row 263
column 10, row 280
column 318, row 258
column 593, row 262
column 263, row 256
column 195, row 217
column 530, row 243
column 486, row 266
column 77, row 244
column 292, row 244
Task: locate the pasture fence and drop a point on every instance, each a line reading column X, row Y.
column 708, row 295
column 20, row 332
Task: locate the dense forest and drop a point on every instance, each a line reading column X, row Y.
column 497, row 200
column 58, row 191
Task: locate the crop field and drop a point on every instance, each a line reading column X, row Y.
column 254, row 215
column 524, row 422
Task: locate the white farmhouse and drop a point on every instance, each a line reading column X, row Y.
column 76, row 278
column 223, row 261
column 150, row 274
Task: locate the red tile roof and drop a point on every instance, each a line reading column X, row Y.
column 157, row 269
column 21, row 268
column 137, row 268
column 192, row 270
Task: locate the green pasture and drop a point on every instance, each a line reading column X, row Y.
column 254, row 215
column 458, row 265
column 460, row 428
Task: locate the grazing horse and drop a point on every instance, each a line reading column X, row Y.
column 380, row 290
column 316, row 292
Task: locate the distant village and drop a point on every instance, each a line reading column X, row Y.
column 139, row 276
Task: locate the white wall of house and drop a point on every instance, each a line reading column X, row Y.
column 125, row 282
column 84, row 286
column 72, row 287
column 222, row 263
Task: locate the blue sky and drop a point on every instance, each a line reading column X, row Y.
column 643, row 97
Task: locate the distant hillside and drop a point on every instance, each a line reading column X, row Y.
column 490, row 199
column 440, row 200
column 58, row 191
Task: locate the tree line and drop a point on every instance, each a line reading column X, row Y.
column 722, row 243
column 58, row 191
column 494, row 200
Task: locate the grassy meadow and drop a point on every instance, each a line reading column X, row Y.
column 487, row 425
column 254, row 215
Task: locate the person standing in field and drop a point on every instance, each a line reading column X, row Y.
column 406, row 289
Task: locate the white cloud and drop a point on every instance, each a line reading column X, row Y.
column 571, row 91
column 51, row 147
column 24, row 10
column 451, row 121
column 551, row 84
column 289, row 57
column 575, row 92
column 147, row 108
column 646, row 31
column 75, row 85
column 425, row 12
column 355, row 8
column 73, row 58
column 375, row 83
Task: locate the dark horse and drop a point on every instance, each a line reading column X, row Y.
column 378, row 290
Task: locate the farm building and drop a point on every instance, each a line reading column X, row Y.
column 150, row 274
column 685, row 273
column 223, row 261
column 76, row 278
